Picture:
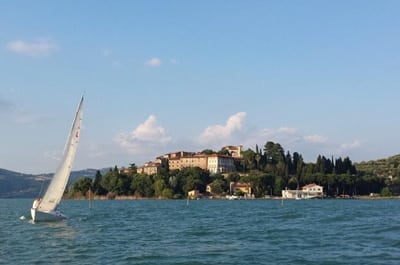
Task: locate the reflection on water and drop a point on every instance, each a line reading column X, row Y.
column 59, row 230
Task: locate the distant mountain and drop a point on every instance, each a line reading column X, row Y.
column 19, row 185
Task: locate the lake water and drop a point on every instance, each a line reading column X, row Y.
column 205, row 232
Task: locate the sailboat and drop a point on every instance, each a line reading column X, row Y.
column 46, row 208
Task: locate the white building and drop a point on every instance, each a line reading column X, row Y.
column 307, row 192
column 220, row 164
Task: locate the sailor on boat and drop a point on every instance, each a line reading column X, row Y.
column 36, row 203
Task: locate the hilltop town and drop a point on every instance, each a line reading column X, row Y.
column 232, row 171
column 215, row 162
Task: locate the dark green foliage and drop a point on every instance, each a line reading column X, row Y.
column 82, row 186
column 133, row 168
column 219, row 186
column 386, row 192
column 194, row 178
column 233, row 177
column 142, row 185
column 223, row 151
column 249, row 160
column 98, row 189
column 159, row 187
column 208, row 152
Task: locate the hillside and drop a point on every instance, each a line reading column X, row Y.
column 19, row 185
column 382, row 167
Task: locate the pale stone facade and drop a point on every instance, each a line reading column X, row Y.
column 174, row 163
column 198, row 160
column 215, row 163
column 220, row 164
column 149, row 168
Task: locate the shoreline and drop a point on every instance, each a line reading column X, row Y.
column 132, row 197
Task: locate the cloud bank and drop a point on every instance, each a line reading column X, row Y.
column 223, row 133
column 151, row 139
column 145, row 138
column 153, row 62
column 34, row 49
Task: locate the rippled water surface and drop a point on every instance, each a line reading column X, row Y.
column 205, row 232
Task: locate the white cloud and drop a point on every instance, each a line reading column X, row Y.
column 35, row 48
column 153, row 62
column 294, row 140
column 315, row 138
column 282, row 132
column 218, row 133
column 350, row 146
column 147, row 137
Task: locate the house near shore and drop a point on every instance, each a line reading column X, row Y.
column 193, row 194
column 240, row 188
column 309, row 191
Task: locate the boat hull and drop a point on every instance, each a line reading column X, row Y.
column 52, row 216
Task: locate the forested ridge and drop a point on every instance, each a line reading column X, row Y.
column 268, row 169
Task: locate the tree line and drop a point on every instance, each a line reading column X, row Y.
column 269, row 170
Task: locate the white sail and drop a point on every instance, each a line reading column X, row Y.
column 55, row 191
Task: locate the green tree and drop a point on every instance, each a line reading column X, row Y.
column 273, row 152
column 191, row 182
column 248, row 161
column 123, row 185
column 133, row 168
column 262, row 184
column 159, row 186
column 109, row 181
column 288, row 165
column 299, row 166
column 167, row 193
column 385, row 192
column 115, row 182
column 82, row 185
column 218, row 186
column 233, row 177
column 223, row 151
column 208, row 152
column 142, row 185
column 173, row 182
column 98, row 189
column 279, row 185
column 193, row 178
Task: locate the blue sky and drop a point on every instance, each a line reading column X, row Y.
column 318, row 77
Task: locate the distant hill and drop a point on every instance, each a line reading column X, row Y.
column 382, row 167
column 19, row 185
